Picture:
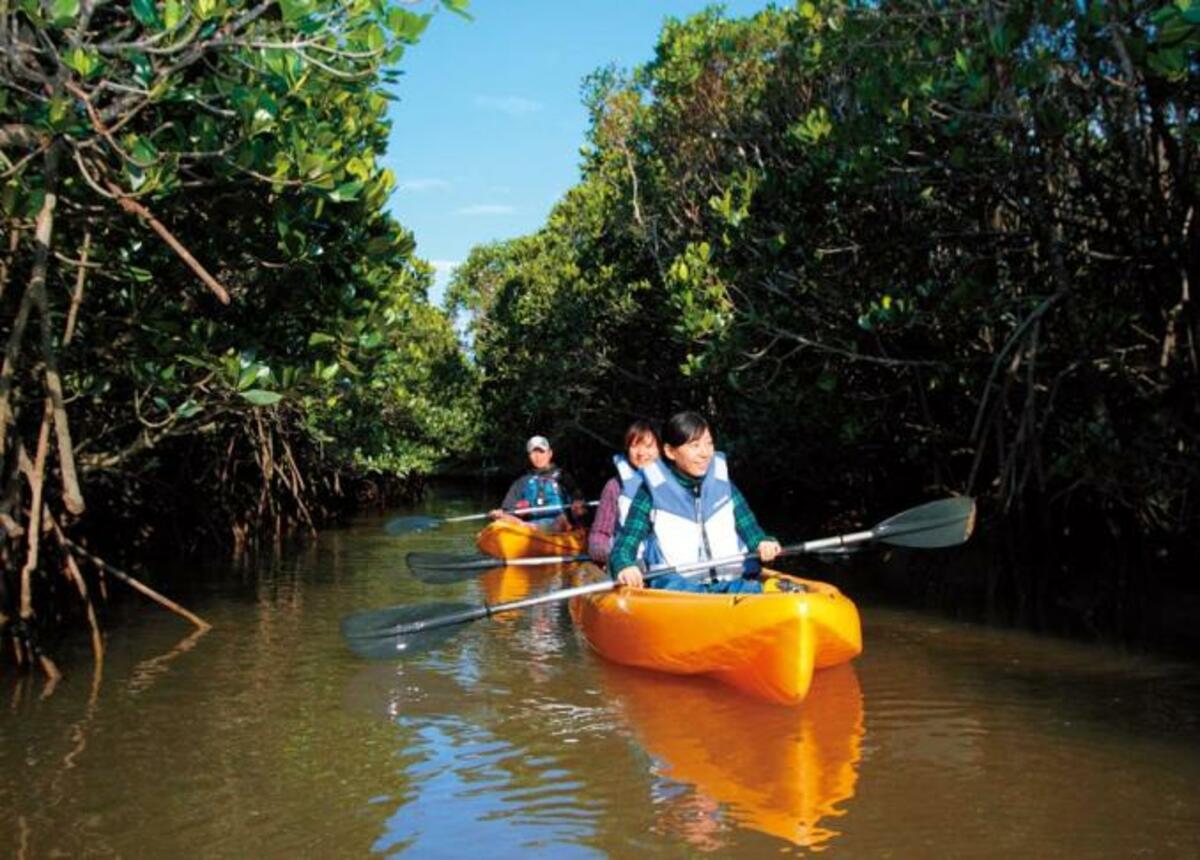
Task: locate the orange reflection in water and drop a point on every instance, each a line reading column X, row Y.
column 504, row 584
column 784, row 771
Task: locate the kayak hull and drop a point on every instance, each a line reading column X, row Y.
column 766, row 645
column 507, row 539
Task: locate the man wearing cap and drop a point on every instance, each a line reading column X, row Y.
column 544, row 485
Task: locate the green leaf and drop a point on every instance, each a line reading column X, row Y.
column 189, row 408
column 142, row 150
column 346, row 191
column 1170, row 63
column 63, row 12
column 146, row 12
column 294, row 10
column 260, row 397
column 86, row 62
column 59, row 113
column 319, row 337
column 459, row 7
column 251, row 375
column 142, row 69
column 172, row 13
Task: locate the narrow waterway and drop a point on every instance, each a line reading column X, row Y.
column 267, row 737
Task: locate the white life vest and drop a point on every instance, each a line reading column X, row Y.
column 631, row 481
column 689, row 527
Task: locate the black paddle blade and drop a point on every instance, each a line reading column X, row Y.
column 400, row 631
column 946, row 522
column 439, row 568
column 450, row 561
column 408, row 525
column 451, row 575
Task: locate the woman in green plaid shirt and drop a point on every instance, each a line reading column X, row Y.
column 689, row 510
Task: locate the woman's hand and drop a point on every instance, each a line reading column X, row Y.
column 768, row 550
column 631, row 577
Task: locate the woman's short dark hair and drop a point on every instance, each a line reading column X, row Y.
column 638, row 429
column 683, row 427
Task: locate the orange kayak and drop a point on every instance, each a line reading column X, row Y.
column 506, row 539
column 767, row 645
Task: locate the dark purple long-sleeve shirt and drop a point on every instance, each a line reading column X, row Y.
column 604, row 524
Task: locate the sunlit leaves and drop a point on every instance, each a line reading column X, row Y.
column 63, row 12
column 294, row 10
column 173, row 13
column 84, row 61
column 459, row 7
column 814, row 127
column 260, row 397
column 699, row 294
column 346, row 191
column 252, row 137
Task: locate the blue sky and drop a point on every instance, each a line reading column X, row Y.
column 487, row 131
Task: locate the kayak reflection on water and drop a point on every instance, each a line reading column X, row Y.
column 786, row 777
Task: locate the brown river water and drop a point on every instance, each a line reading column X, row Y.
column 267, row 737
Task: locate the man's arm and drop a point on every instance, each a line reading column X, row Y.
column 510, row 498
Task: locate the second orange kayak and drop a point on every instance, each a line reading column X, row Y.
column 767, row 645
column 507, row 539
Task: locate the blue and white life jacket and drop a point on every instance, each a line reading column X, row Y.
column 631, row 481
column 543, row 490
column 690, row 527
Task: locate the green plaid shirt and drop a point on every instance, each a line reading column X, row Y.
column 638, row 525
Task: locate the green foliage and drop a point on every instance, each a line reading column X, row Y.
column 885, row 245
column 251, row 135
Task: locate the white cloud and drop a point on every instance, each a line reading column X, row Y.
column 511, row 105
column 428, row 184
column 486, row 209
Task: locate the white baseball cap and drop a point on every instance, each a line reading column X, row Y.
column 536, row 442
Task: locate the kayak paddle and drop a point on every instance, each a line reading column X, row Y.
column 416, row 523
column 443, row 568
column 400, row 630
